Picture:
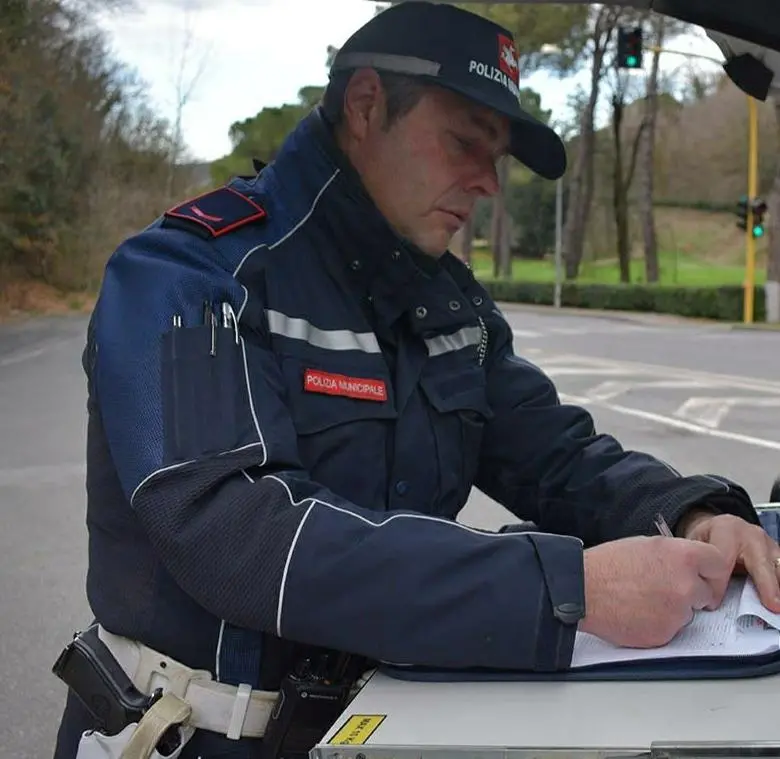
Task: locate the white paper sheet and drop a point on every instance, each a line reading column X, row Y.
column 740, row 626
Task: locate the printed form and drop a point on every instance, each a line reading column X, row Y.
column 742, row 625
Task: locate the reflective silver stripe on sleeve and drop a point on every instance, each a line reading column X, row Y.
column 454, row 342
column 330, row 339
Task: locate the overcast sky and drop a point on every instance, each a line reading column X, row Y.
column 253, row 53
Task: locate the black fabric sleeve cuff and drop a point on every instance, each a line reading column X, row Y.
column 563, row 570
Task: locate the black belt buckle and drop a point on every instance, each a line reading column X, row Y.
column 304, row 712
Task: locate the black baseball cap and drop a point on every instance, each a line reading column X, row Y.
column 462, row 52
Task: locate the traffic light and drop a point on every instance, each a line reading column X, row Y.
column 742, row 212
column 629, row 47
column 758, row 208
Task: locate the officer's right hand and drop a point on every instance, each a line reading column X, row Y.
column 640, row 592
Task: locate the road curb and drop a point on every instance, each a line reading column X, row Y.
column 641, row 317
column 637, row 317
column 761, row 327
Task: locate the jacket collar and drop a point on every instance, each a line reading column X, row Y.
column 379, row 263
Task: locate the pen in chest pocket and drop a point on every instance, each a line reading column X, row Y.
column 174, row 342
column 174, row 387
column 209, row 320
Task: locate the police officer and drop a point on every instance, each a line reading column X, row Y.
column 293, row 387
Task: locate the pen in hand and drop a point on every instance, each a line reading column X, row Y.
column 662, row 526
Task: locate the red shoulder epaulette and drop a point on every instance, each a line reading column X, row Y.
column 218, row 211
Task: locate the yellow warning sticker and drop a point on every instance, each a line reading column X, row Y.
column 357, row 729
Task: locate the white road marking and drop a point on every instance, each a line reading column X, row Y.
column 632, row 368
column 707, row 411
column 577, row 371
column 712, row 411
column 604, row 329
column 18, row 358
column 675, row 423
column 554, row 360
column 704, row 416
column 592, row 329
column 611, row 389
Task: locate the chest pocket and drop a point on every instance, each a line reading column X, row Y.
column 459, row 412
column 343, row 411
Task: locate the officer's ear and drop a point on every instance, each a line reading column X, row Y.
column 364, row 105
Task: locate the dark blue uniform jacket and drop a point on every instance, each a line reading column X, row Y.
column 295, row 473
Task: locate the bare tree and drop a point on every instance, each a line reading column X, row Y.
column 634, row 146
column 501, row 224
column 581, row 181
column 625, row 146
column 184, row 87
column 701, row 86
column 467, row 239
column 647, row 159
column 622, row 176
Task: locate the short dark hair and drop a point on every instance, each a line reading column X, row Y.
column 402, row 92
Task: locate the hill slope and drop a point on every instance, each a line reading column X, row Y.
column 701, row 161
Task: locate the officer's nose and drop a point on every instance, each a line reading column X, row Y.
column 492, row 185
column 484, row 179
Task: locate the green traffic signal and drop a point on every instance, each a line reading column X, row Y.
column 629, row 47
column 757, row 209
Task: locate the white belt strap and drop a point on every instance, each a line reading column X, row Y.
column 232, row 711
column 240, row 708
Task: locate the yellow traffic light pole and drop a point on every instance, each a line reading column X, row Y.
column 750, row 243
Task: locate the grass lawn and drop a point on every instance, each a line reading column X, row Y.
column 695, row 248
column 676, row 269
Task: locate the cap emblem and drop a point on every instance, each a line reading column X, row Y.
column 507, row 58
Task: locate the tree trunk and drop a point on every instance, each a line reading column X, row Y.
column 502, row 258
column 580, row 190
column 581, row 181
column 620, row 192
column 647, row 171
column 467, row 241
column 495, row 232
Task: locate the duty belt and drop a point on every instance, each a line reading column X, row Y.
column 234, row 711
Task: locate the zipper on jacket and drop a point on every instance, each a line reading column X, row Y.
column 483, row 341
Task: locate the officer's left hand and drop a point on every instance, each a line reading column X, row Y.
column 747, row 547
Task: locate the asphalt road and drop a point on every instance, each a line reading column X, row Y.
column 704, row 398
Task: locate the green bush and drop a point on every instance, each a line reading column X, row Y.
column 722, row 303
column 696, row 205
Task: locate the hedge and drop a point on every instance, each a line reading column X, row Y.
column 722, row 303
column 697, row 205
